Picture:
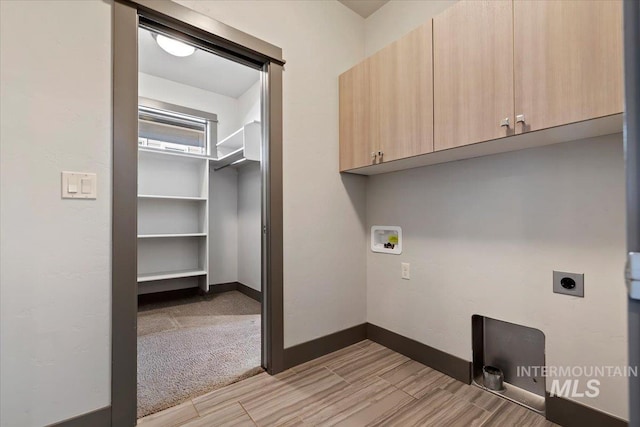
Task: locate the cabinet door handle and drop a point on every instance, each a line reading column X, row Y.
column 373, row 155
column 504, row 122
column 520, row 118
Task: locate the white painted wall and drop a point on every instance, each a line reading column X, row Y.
column 223, row 226
column 397, row 18
column 250, row 225
column 250, row 200
column 55, row 281
column 235, row 226
column 324, row 235
column 483, row 236
column 188, row 96
column 249, row 104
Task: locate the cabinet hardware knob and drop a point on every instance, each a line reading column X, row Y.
column 520, row 118
column 373, row 155
column 504, row 122
column 380, row 153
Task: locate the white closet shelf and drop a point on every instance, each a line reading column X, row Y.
column 233, row 141
column 228, row 160
column 158, row 236
column 238, row 153
column 174, row 154
column 152, row 196
column 245, row 142
column 149, row 277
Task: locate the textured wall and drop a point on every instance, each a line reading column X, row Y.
column 55, row 254
column 483, row 237
column 55, row 272
column 324, row 261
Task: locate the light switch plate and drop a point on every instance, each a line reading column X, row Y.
column 79, row 185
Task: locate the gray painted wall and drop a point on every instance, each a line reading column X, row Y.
column 324, row 218
column 58, row 355
column 55, row 255
column 483, row 237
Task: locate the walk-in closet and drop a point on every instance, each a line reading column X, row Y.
column 199, row 221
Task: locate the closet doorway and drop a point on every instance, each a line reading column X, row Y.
column 199, row 221
column 204, row 102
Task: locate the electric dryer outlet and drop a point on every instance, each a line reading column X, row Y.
column 568, row 283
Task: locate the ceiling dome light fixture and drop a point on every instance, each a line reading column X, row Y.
column 173, row 46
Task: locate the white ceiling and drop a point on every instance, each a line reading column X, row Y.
column 203, row 69
column 364, row 8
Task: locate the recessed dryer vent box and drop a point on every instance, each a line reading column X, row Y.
column 386, row 239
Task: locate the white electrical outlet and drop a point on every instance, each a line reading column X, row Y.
column 406, row 270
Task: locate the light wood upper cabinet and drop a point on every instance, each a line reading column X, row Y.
column 356, row 144
column 480, row 71
column 473, row 73
column 402, row 96
column 568, row 61
column 386, row 103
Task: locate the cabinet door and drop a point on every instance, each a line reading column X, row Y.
column 402, row 96
column 355, row 118
column 473, row 73
column 568, row 61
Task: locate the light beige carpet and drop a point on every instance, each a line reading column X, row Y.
column 194, row 345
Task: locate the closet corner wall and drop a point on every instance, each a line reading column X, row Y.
column 235, row 219
column 223, row 228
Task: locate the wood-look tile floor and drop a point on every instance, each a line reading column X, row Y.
column 365, row 384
